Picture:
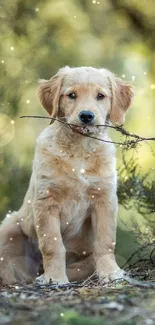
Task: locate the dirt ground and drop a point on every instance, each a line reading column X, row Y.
column 82, row 303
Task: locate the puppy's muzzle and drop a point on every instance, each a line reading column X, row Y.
column 86, row 116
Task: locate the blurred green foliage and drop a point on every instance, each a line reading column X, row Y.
column 39, row 37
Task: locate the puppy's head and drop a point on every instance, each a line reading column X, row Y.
column 86, row 97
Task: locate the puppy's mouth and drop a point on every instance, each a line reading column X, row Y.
column 85, row 129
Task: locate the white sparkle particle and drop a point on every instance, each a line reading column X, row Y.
column 78, row 270
column 120, row 145
column 73, row 170
column 61, row 151
column 133, row 78
column 12, row 122
column 92, row 196
column 94, row 1
column 26, row 81
column 44, row 235
column 36, row 9
column 29, row 201
column 37, row 226
column 17, row 223
column 82, row 171
column 113, row 243
column 55, row 238
column 11, row 238
column 123, row 75
column 8, row 215
column 62, row 314
column 21, row 219
column 12, row 48
column 98, row 2
column 2, row 258
column 99, row 189
column 2, row 61
column 145, row 72
column 74, row 16
column 27, row 101
column 84, row 252
column 148, row 118
column 47, row 191
column 110, row 250
column 67, row 223
column 152, row 86
column 16, row 287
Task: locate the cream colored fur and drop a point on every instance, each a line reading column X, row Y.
column 68, row 217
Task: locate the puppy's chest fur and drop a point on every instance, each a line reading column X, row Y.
column 75, row 180
column 78, row 170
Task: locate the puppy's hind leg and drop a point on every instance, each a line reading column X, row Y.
column 16, row 259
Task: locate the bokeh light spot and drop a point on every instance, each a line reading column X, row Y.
column 7, row 129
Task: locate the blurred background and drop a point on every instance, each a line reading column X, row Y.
column 39, row 37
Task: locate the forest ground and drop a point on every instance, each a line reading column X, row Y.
column 79, row 304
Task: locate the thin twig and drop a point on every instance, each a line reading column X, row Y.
column 120, row 129
column 139, row 250
column 70, row 125
column 89, row 279
column 138, row 283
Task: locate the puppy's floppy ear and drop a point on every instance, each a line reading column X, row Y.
column 122, row 94
column 49, row 94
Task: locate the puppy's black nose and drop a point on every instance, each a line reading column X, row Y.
column 86, row 116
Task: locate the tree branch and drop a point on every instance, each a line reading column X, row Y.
column 128, row 144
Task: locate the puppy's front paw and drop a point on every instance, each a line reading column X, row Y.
column 42, row 279
column 117, row 275
column 45, row 279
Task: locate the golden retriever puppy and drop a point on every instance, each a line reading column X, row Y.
column 67, row 222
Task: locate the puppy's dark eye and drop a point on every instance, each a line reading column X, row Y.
column 72, row 95
column 100, row 96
